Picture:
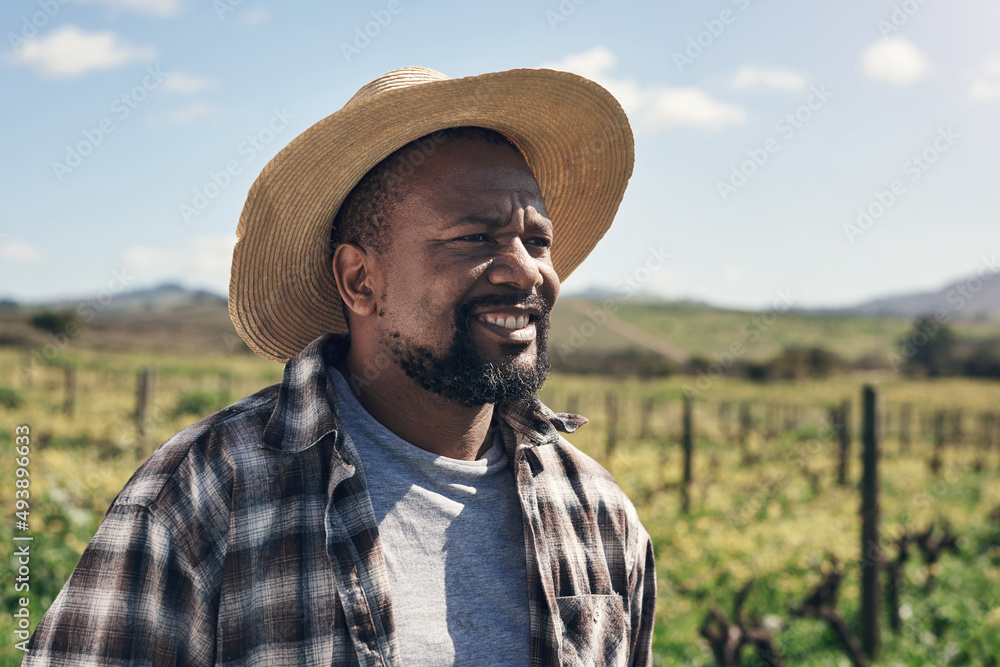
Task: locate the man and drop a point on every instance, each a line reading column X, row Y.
column 402, row 497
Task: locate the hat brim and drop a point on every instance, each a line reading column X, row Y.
column 572, row 132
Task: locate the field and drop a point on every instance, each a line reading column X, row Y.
column 768, row 512
column 775, row 521
column 704, row 331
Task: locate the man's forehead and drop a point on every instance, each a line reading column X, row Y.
column 478, row 162
column 478, row 180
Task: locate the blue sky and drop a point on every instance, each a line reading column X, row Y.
column 761, row 130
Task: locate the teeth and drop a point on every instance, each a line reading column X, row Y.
column 508, row 322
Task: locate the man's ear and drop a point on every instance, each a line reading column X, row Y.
column 352, row 269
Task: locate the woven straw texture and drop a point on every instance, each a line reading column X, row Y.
column 573, row 134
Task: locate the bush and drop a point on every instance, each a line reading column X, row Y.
column 54, row 322
column 984, row 363
column 930, row 345
column 621, row 363
column 10, row 398
column 757, row 372
column 201, row 403
column 793, row 363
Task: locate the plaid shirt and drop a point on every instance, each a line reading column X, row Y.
column 249, row 539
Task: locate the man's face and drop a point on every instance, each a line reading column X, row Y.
column 467, row 283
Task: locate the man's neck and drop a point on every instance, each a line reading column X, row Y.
column 419, row 416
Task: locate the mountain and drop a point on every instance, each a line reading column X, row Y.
column 975, row 298
column 168, row 296
column 167, row 318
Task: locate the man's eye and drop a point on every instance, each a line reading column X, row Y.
column 541, row 241
column 474, row 238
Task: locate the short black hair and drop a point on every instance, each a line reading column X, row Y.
column 364, row 216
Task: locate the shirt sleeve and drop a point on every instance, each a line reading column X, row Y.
column 643, row 603
column 132, row 599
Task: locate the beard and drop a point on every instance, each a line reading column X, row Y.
column 461, row 374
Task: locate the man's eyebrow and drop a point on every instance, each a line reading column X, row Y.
column 489, row 221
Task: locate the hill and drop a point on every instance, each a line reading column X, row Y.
column 975, row 298
column 175, row 320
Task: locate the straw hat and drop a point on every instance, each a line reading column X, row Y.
column 572, row 133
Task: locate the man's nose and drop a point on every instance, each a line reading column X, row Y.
column 514, row 266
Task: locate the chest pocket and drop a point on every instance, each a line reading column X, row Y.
column 594, row 631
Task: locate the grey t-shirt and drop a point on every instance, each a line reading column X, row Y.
column 454, row 545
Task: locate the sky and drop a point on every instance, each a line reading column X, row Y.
column 827, row 152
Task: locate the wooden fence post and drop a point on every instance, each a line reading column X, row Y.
column 844, row 433
column 957, row 428
column 645, row 418
column 936, row 462
column 905, row 418
column 611, row 401
column 687, row 442
column 985, row 440
column 789, row 417
column 144, row 396
column 771, row 427
column 996, row 434
column 746, row 425
column 725, row 415
column 69, row 402
column 871, row 561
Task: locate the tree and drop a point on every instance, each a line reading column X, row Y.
column 984, row 362
column 54, row 322
column 930, row 345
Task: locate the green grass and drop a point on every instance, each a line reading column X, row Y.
column 763, row 522
column 704, row 331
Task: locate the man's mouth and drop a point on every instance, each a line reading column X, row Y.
column 506, row 319
column 511, row 327
column 512, row 322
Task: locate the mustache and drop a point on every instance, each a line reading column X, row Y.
column 523, row 299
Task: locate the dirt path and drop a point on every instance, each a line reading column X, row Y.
column 633, row 333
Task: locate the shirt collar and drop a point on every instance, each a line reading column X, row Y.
column 304, row 412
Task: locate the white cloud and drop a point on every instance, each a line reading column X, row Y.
column 594, row 63
column 181, row 82
column 69, row 51
column 205, row 261
column 750, row 76
column 655, row 107
column 193, row 112
column 984, row 90
column 16, row 250
column 163, row 8
column 255, row 16
column 985, row 84
column 691, row 107
column 895, row 60
column 733, row 276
